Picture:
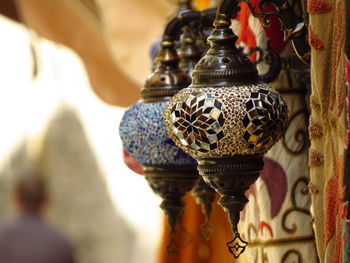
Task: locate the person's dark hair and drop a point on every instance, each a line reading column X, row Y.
column 31, row 192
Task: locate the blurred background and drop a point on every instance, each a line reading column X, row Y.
column 68, row 70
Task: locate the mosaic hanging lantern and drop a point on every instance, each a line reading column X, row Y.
column 169, row 171
column 227, row 120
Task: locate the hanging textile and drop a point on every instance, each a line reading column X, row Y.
column 327, row 125
column 277, row 221
column 193, row 247
column 346, row 210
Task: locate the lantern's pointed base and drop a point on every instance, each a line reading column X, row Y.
column 231, row 178
column 172, row 248
column 237, row 245
column 205, row 196
column 178, row 238
column 207, row 230
column 171, row 183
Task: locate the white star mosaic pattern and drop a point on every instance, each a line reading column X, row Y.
column 198, row 121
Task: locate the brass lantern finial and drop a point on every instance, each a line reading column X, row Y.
column 227, row 120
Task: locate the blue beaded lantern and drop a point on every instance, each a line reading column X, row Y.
column 143, row 133
column 169, row 171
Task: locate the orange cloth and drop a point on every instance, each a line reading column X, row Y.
column 196, row 249
column 202, row 4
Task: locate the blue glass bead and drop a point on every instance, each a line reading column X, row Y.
column 144, row 137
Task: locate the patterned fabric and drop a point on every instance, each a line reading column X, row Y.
column 328, row 117
column 346, row 212
column 277, row 221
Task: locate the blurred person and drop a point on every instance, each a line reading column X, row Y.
column 29, row 239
